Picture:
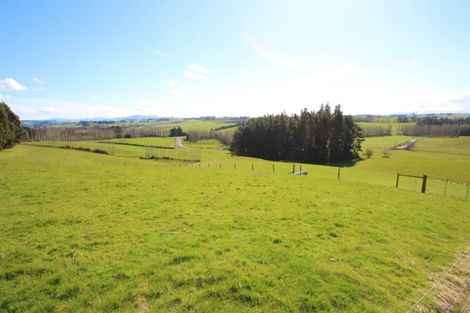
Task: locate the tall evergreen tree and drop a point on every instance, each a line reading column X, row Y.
column 10, row 127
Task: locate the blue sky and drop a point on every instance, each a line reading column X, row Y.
column 74, row 59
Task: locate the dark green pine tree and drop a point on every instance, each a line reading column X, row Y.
column 10, row 127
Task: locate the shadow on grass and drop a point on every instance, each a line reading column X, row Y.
column 348, row 163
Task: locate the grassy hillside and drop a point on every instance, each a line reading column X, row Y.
column 186, row 125
column 87, row 232
column 395, row 128
column 439, row 157
column 446, row 161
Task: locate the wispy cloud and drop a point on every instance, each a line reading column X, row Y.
column 9, row 84
column 321, row 72
column 272, row 56
column 31, row 108
column 177, row 89
column 4, row 97
column 37, row 80
column 51, row 110
column 147, row 106
column 433, row 102
column 97, row 98
column 38, row 89
column 161, row 54
column 197, row 72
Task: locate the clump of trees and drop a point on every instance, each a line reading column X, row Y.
column 10, row 127
column 435, row 126
column 320, row 137
column 176, row 132
column 434, row 120
column 435, row 130
column 224, row 137
column 68, row 134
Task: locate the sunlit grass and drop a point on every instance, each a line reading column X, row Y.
column 88, row 232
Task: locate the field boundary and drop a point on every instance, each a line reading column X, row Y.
column 135, row 144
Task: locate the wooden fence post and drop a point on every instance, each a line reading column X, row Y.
column 468, row 188
column 300, row 169
column 423, row 186
column 273, row 168
column 398, row 179
column 252, row 167
column 339, row 173
column 235, row 165
column 220, row 165
column 445, row 188
column 293, row 168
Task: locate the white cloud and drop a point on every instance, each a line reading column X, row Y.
column 31, row 108
column 4, row 97
column 193, row 76
column 273, row 57
column 291, row 94
column 434, row 102
column 51, row 110
column 9, row 84
column 97, row 98
column 197, row 72
column 38, row 89
column 162, row 54
column 177, row 89
column 172, row 83
column 200, row 69
column 147, row 107
column 37, row 80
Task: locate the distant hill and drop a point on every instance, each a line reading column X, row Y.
column 132, row 118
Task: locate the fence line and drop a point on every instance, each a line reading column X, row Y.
column 438, row 282
column 449, row 187
column 424, row 186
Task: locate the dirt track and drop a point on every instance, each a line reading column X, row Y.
column 407, row 145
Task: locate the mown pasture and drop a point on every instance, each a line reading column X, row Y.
column 88, row 232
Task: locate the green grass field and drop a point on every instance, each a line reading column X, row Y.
column 395, row 127
column 86, row 232
column 186, row 125
column 442, row 159
column 438, row 157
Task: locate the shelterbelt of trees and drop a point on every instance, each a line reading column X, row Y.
column 320, row 137
column 10, row 127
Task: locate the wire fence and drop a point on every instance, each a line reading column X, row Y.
column 418, row 183
column 450, row 292
column 433, row 185
column 194, row 157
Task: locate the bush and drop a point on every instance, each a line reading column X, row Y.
column 369, row 152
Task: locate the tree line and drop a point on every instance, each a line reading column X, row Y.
column 443, row 121
column 376, row 130
column 320, row 137
column 433, row 130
